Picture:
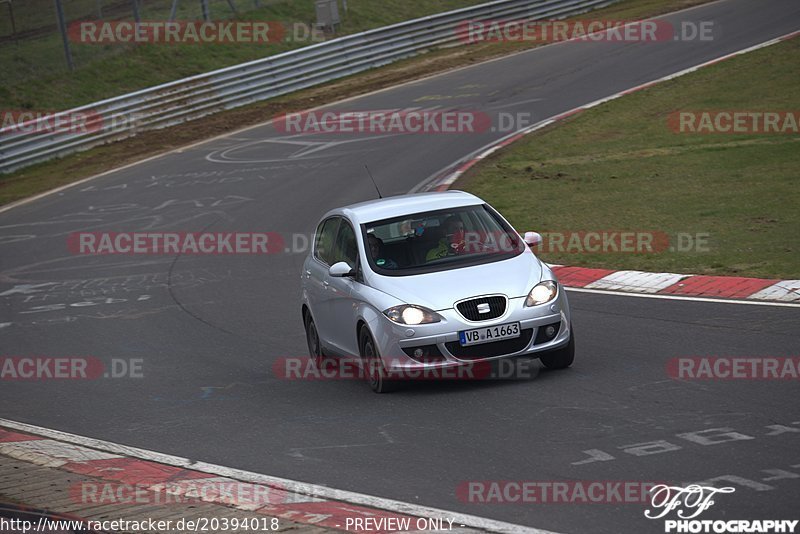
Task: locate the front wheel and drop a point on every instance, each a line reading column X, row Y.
column 312, row 338
column 563, row 357
column 374, row 372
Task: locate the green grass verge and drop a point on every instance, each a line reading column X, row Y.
column 620, row 167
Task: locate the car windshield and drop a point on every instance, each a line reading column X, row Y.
column 439, row 240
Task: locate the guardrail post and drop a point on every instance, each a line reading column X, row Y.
column 135, row 8
column 62, row 26
column 11, row 18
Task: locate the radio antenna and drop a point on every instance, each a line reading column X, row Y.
column 373, row 181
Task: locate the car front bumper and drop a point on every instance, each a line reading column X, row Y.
column 396, row 343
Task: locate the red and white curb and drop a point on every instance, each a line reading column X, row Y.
column 726, row 287
column 291, row 500
column 722, row 287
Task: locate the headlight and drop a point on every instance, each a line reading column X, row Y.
column 542, row 293
column 412, row 315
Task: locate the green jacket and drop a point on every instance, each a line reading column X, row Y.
column 439, row 251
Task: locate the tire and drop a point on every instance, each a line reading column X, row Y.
column 312, row 339
column 563, row 357
column 374, row 372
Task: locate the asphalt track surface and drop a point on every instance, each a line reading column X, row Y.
column 208, row 328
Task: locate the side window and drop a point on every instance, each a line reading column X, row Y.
column 324, row 240
column 346, row 248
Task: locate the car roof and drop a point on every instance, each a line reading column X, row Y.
column 397, row 206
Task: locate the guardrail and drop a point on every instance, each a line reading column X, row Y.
column 190, row 98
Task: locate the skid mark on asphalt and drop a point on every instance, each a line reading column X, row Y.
column 171, row 288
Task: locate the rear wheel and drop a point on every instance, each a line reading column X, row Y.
column 563, row 357
column 312, row 338
column 374, row 371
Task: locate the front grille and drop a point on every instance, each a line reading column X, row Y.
column 490, row 350
column 469, row 308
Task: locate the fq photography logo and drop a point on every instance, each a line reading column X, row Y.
column 691, row 501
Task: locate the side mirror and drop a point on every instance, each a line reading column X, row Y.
column 340, row 270
column 533, row 239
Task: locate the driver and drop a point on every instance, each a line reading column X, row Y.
column 453, row 242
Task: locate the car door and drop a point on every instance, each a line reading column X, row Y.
column 318, row 279
column 342, row 305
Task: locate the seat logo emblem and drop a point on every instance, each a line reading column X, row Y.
column 483, row 308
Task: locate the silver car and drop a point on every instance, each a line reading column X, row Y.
column 429, row 282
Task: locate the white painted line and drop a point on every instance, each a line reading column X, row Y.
column 681, row 297
column 636, row 281
column 304, row 488
column 785, row 290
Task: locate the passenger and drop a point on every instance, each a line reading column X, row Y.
column 375, row 249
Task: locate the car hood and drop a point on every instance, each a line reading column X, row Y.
column 440, row 290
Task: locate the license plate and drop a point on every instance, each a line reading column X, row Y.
column 489, row 334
